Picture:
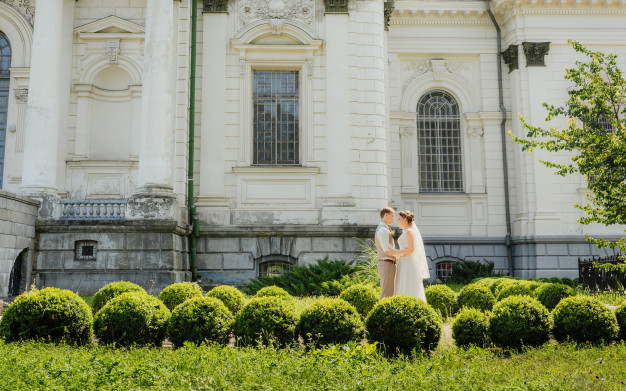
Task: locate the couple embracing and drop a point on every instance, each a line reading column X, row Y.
column 401, row 270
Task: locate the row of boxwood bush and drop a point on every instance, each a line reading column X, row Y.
column 518, row 321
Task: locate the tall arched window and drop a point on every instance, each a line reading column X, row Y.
column 439, row 143
column 5, row 64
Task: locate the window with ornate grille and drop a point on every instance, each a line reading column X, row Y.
column 273, row 268
column 276, row 101
column 439, row 143
column 5, row 54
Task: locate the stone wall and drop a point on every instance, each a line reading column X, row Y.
column 17, row 233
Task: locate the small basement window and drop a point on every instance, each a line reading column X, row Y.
column 85, row 250
column 444, row 270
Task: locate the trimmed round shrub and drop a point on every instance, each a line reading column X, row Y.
column 569, row 282
column 501, row 281
column 362, row 297
column 620, row 315
column 519, row 321
column 273, row 291
column 404, row 323
column 50, row 314
column 442, row 299
column 112, row 290
column 471, row 328
column 486, row 282
column 518, row 288
column 476, row 296
column 132, row 318
column 178, row 293
column 330, row 321
column 551, row 294
column 266, row 320
column 583, row 319
column 232, row 297
column 200, row 319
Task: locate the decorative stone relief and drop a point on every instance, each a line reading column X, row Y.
column 475, row 132
column 511, row 57
column 388, row 8
column 535, row 53
column 407, row 131
column 21, row 95
column 26, row 7
column 215, row 6
column 276, row 12
column 438, row 67
column 113, row 50
column 338, row 6
column 243, row 65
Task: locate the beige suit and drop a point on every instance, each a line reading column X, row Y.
column 386, row 270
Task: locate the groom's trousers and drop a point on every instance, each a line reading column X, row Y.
column 387, row 273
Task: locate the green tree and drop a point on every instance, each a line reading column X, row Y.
column 596, row 136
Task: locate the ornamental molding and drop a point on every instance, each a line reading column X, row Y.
column 25, row 7
column 511, row 57
column 113, row 50
column 276, row 12
column 535, row 53
column 475, row 132
column 406, row 131
column 438, row 67
column 21, row 95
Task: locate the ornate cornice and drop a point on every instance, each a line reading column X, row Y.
column 276, row 12
column 511, row 57
column 25, row 7
column 535, row 53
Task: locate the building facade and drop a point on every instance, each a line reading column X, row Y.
column 305, row 116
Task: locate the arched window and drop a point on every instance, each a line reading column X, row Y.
column 274, row 265
column 444, row 270
column 5, row 54
column 439, row 143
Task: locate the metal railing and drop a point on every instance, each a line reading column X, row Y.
column 93, row 210
column 597, row 279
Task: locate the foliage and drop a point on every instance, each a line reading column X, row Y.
column 471, row 328
column 112, row 290
column 551, row 294
column 51, row 314
column 476, row 296
column 306, row 280
column 442, row 298
column 403, row 324
column 465, row 271
column 132, row 318
column 519, row 321
column 582, row 319
column 362, row 297
column 176, row 294
column 330, row 321
column 232, row 297
column 516, row 288
column 273, row 291
column 599, row 152
column 501, row 281
column 266, row 320
column 200, row 319
column 620, row 315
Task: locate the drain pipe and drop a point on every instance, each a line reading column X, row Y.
column 505, row 166
column 191, row 205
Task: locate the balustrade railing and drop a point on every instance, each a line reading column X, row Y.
column 93, row 210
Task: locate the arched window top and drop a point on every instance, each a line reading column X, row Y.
column 5, row 53
column 437, row 103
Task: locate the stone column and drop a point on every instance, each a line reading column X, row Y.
column 157, row 105
column 339, row 200
column 39, row 177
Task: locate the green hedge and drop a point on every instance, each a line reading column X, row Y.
column 519, row 321
column 476, row 296
column 232, row 297
column 330, row 321
column 266, row 320
column 584, row 319
column 362, row 297
column 471, row 328
column 198, row 320
column 442, row 298
column 112, row 290
column 178, row 293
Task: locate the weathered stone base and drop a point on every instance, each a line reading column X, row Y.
column 152, row 254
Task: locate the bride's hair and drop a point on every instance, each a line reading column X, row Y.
column 409, row 216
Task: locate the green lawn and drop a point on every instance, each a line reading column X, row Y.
column 37, row 366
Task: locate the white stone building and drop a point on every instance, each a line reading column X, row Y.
column 307, row 116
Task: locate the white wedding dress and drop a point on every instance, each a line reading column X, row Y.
column 412, row 268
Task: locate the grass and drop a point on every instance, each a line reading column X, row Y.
column 38, row 366
column 610, row 298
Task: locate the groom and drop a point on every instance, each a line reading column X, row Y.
column 384, row 243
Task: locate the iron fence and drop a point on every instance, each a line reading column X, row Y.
column 596, row 278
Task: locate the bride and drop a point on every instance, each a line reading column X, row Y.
column 411, row 259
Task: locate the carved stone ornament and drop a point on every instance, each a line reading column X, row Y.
column 535, row 53
column 511, row 57
column 475, row 132
column 407, row 131
column 113, row 50
column 389, row 6
column 21, row 95
column 26, row 8
column 439, row 67
column 276, row 12
column 215, row 6
column 335, row 6
column 243, row 65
